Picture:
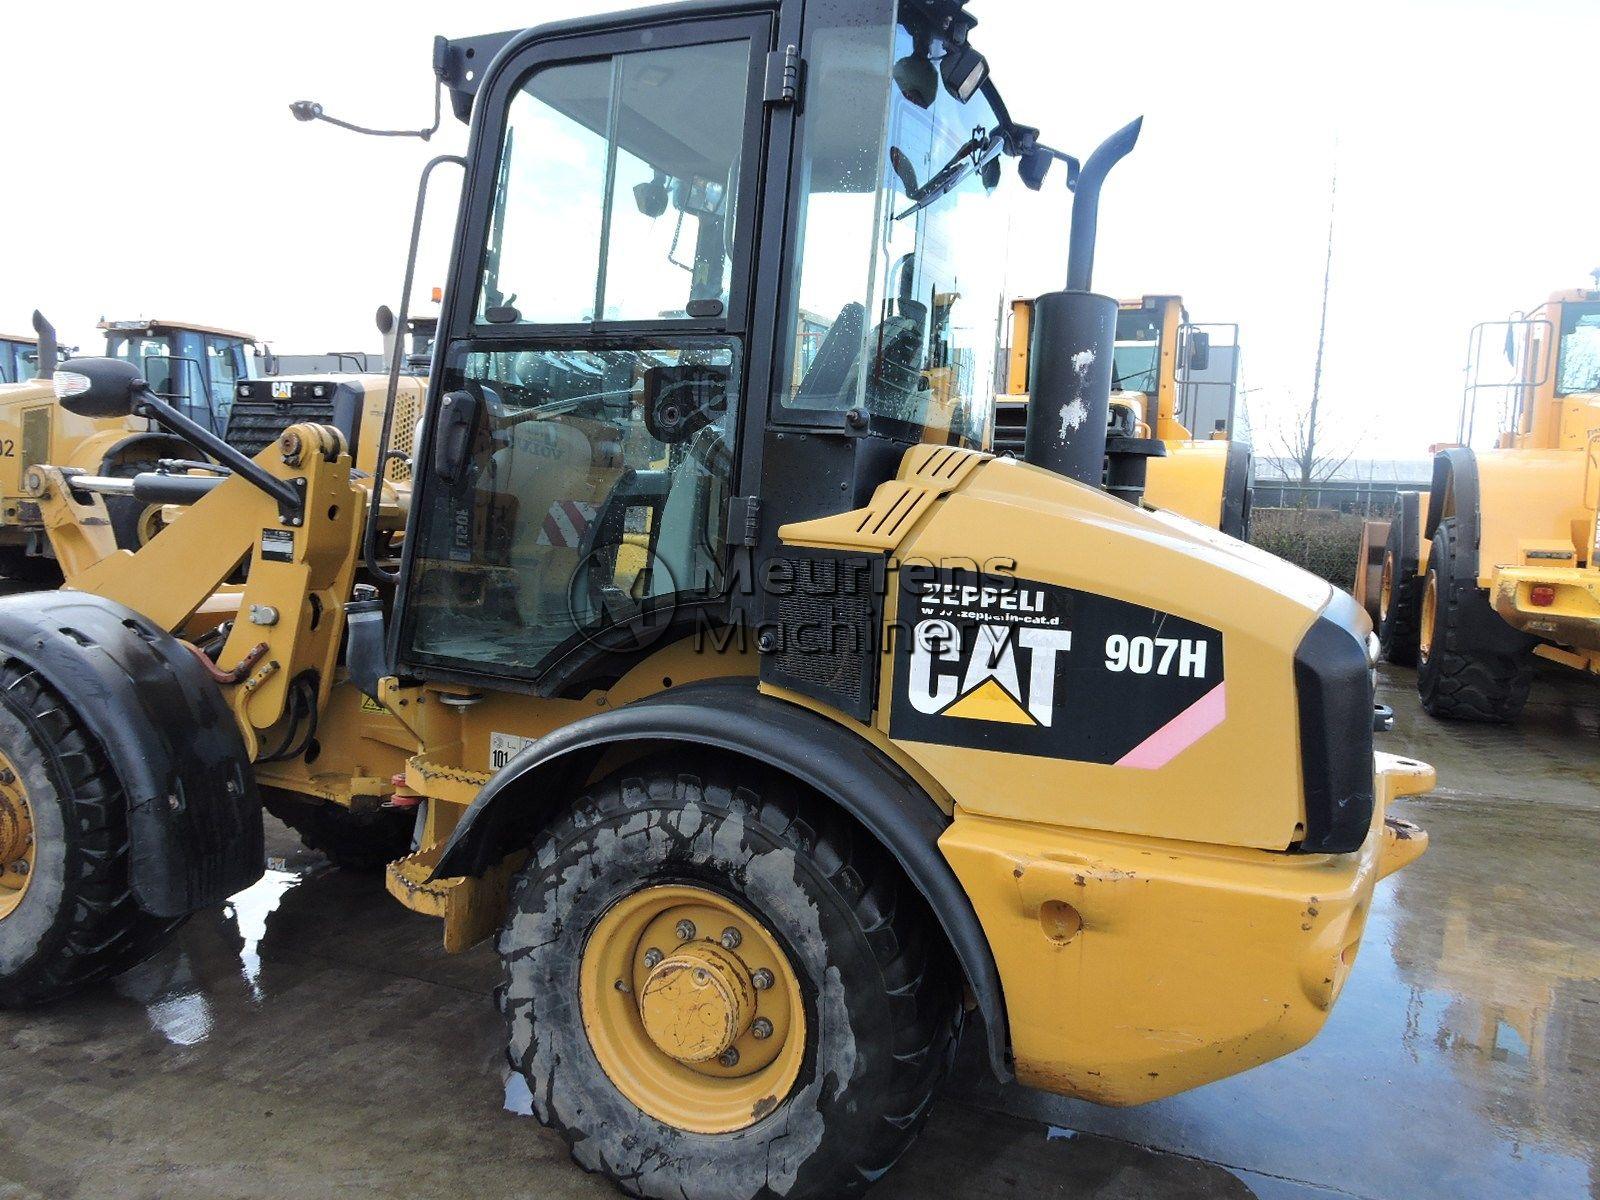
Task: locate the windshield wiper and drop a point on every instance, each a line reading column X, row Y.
column 976, row 152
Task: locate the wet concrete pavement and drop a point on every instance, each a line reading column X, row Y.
column 312, row 1038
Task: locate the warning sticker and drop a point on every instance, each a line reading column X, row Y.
column 277, row 545
column 997, row 663
column 503, row 747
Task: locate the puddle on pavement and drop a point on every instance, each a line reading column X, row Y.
column 519, row 1100
column 172, row 987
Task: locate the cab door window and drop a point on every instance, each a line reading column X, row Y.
column 604, row 373
column 618, row 185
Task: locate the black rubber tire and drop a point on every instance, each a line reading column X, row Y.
column 860, row 937
column 1400, row 628
column 1465, row 676
column 125, row 512
column 351, row 841
column 31, row 570
column 78, row 922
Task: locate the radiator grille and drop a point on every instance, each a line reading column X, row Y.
column 826, row 623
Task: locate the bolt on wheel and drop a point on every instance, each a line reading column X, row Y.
column 692, row 1007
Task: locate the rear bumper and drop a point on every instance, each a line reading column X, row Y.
column 1573, row 619
column 1135, row 968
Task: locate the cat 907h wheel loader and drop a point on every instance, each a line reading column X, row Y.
column 775, row 730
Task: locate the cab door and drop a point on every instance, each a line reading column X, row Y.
column 582, row 438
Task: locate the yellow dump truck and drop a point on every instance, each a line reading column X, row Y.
column 1499, row 561
column 1171, row 384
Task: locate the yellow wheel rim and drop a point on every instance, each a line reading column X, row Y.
column 1430, row 613
column 16, row 839
column 150, row 523
column 693, row 1009
column 1386, row 588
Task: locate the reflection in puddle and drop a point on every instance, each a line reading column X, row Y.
column 183, row 1019
column 250, row 910
column 519, row 1100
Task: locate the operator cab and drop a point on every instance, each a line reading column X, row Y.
column 19, row 358
column 195, row 368
column 681, row 283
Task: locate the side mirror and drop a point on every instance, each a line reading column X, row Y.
column 458, row 413
column 1199, row 350
column 98, row 387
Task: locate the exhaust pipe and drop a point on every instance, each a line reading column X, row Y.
column 47, row 345
column 1073, row 334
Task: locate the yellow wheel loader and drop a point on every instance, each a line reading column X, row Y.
column 774, row 734
column 1168, row 380
column 1499, row 561
column 213, row 376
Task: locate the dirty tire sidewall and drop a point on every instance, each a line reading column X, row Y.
column 35, row 929
column 853, row 1108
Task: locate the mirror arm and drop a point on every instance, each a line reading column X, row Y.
column 289, row 498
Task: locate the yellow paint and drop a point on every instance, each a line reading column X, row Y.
column 693, row 1009
column 990, row 702
column 17, row 850
column 1192, row 962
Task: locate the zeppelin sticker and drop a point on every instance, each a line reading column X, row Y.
column 997, row 663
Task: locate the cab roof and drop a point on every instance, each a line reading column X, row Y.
column 153, row 325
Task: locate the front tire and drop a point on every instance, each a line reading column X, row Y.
column 68, row 918
column 1473, row 666
column 618, row 1049
column 1399, row 602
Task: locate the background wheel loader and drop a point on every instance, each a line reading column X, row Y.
column 1499, row 561
column 213, row 377
column 774, row 733
column 1170, row 376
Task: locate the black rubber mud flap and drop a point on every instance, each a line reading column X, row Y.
column 194, row 814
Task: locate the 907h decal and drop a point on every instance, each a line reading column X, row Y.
column 992, row 662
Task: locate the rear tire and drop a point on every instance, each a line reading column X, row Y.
column 1399, row 602
column 76, row 921
column 351, row 841
column 31, row 570
column 133, row 521
column 876, row 982
column 1473, row 666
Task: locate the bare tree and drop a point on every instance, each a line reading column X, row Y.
column 1301, row 448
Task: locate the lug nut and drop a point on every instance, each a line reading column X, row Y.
column 761, row 1029
column 652, row 959
column 701, row 977
column 762, row 979
column 685, row 930
column 729, row 1057
column 7, row 775
column 622, row 986
column 731, row 938
column 20, row 867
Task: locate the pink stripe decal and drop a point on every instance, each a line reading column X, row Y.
column 1178, row 734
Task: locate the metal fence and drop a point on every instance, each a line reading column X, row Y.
column 1369, row 497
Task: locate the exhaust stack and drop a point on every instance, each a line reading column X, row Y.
column 47, row 345
column 1073, row 333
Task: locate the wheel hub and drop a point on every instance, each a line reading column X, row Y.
column 692, row 1008
column 16, row 839
column 697, row 1002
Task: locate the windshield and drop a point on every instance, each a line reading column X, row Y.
column 1578, row 369
column 1136, row 359
column 915, row 337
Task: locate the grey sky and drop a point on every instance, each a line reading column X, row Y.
column 154, row 170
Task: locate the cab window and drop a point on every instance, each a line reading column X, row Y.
column 617, row 184
column 1578, row 369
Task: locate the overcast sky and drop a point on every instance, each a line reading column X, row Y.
column 153, row 169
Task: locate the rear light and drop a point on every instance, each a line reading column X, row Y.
column 1542, row 594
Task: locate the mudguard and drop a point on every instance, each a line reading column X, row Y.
column 194, row 815
column 1454, row 493
column 732, row 715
